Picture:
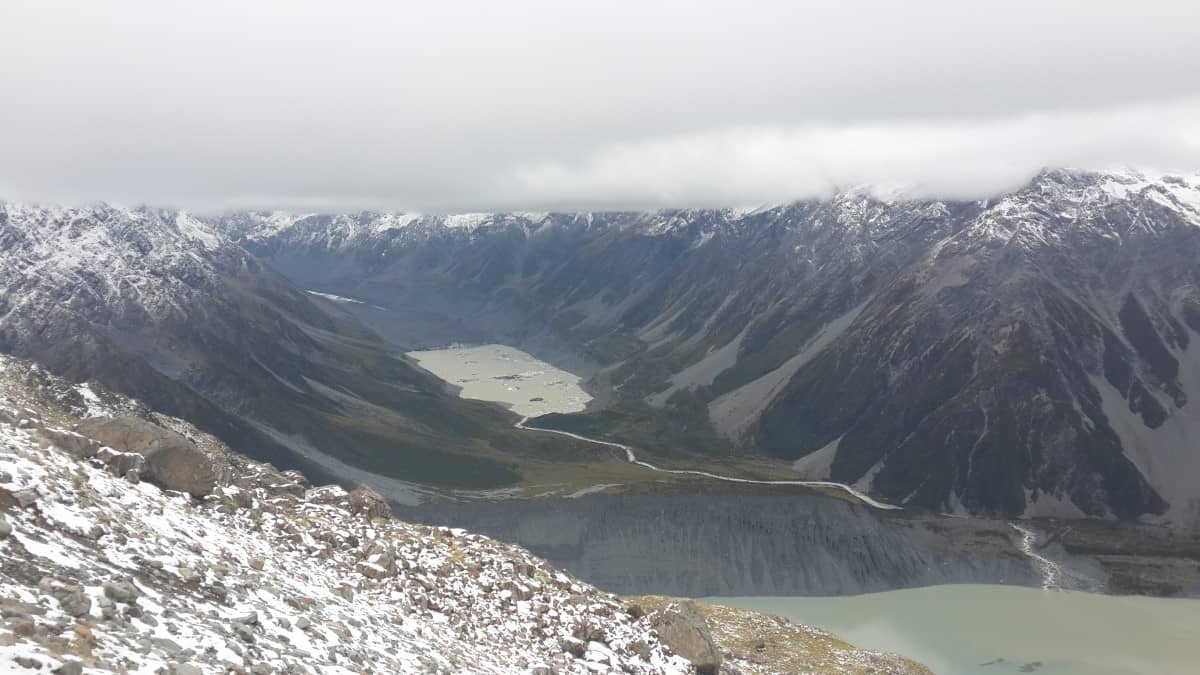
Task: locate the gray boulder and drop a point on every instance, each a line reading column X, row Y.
column 77, row 445
column 681, row 627
column 327, row 494
column 69, row 668
column 367, row 502
column 242, row 631
column 74, row 601
column 121, row 591
column 171, row 461
column 23, row 498
column 10, row 609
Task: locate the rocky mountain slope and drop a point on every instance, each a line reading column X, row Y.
column 132, row 542
column 1027, row 355
column 159, row 306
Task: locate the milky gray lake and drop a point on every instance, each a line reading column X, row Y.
column 506, row 375
column 995, row 630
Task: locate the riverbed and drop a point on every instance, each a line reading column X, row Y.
column 968, row 629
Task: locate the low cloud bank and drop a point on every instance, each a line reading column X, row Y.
column 975, row 159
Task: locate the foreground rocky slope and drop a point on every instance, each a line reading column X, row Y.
column 168, row 553
column 1028, row 355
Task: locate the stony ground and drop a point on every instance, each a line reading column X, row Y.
column 132, row 543
column 759, row 644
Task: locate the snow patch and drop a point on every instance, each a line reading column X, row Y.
column 734, row 412
column 95, row 407
column 1050, row 506
column 1169, row 456
column 466, row 220
column 703, row 372
column 336, row 298
column 818, row 465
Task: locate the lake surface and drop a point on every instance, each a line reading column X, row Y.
column 961, row 629
column 506, row 375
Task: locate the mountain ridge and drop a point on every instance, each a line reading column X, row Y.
column 158, row 305
column 742, row 319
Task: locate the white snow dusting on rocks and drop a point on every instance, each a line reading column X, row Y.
column 105, row 568
column 101, row 572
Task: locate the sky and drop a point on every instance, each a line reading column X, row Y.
column 528, row 105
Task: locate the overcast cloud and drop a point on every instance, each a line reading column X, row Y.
column 444, row 106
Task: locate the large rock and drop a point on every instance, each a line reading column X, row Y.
column 72, row 598
column 23, row 498
column 327, row 494
column 121, row 463
column 121, row 591
column 77, row 445
column 365, row 501
column 172, row 461
column 681, row 627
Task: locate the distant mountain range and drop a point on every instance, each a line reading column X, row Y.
column 1026, row 355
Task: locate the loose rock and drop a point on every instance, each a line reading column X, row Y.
column 682, row 628
column 121, row 591
column 367, row 502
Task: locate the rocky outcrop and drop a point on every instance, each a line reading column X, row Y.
column 78, row 445
column 682, row 628
column 170, row 460
column 70, row 597
column 367, row 502
column 259, row 578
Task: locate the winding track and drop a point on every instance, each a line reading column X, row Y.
column 632, row 459
column 1051, row 572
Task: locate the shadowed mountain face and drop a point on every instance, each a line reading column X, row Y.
column 157, row 305
column 1027, row 355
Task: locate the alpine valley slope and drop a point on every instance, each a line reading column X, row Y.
column 114, row 559
column 1027, row 355
column 157, row 305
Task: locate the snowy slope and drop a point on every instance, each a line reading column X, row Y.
column 103, row 569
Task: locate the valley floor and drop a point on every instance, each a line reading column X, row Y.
column 1089, row 557
column 531, row 387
